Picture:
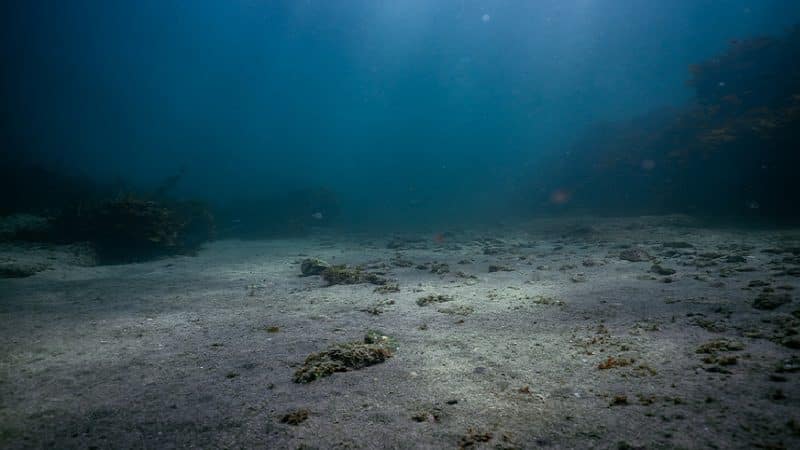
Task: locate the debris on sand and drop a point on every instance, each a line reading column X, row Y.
column 439, row 268
column 634, row 255
column 619, row 400
column 720, row 345
column 661, row 270
column 430, row 414
column 547, row 300
column 313, row 266
column 341, row 274
column 376, row 348
column 789, row 365
column 401, row 261
column 433, row 298
column 578, row 278
column 457, row 310
column 768, row 301
column 677, row 244
column 387, row 288
column 473, row 438
column 716, row 354
column 377, row 308
column 612, row 362
column 295, row 417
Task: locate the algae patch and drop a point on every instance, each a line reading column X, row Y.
column 341, row 274
column 376, row 348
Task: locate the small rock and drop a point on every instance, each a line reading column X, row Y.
column 295, row 417
column 768, row 301
column 313, row 266
column 634, row 255
column 661, row 270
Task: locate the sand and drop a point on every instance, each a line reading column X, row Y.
column 563, row 345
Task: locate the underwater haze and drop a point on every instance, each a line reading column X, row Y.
column 413, row 112
column 400, row 224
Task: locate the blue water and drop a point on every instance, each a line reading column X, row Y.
column 414, row 111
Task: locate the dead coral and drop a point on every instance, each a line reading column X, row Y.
column 376, row 348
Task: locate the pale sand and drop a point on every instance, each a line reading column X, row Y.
column 174, row 353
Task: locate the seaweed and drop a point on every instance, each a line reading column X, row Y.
column 342, row 274
column 433, row 298
column 374, row 349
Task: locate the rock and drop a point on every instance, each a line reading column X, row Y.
column 578, row 278
column 634, row 255
column 661, row 270
column 24, row 227
column 790, row 365
column 313, row 266
column 769, row 301
column 677, row 244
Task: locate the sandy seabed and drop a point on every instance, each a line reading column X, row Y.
column 551, row 338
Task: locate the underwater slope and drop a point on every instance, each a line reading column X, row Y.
column 731, row 152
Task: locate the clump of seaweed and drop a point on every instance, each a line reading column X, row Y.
column 342, row 274
column 375, row 348
column 433, row 298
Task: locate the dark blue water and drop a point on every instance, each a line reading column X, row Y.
column 412, row 111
